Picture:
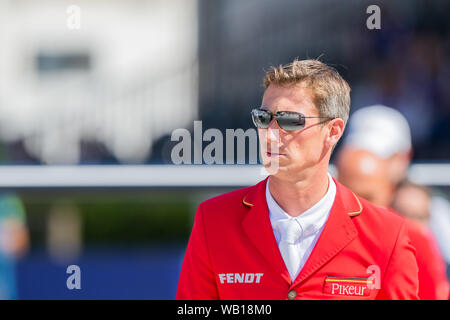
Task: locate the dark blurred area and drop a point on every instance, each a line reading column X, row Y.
column 404, row 65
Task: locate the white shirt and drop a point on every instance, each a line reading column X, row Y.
column 311, row 221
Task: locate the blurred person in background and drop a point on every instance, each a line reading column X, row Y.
column 369, row 176
column 14, row 242
column 385, row 132
column 413, row 201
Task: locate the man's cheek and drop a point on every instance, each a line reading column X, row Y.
column 262, row 138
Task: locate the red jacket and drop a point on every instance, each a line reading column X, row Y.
column 433, row 283
column 232, row 253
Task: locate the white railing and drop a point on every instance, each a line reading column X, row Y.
column 125, row 176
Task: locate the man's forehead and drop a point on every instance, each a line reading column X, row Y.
column 290, row 98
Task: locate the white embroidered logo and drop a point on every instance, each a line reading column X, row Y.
column 240, row 277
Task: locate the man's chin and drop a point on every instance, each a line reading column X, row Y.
column 274, row 166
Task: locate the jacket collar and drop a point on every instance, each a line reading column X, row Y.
column 338, row 232
column 352, row 206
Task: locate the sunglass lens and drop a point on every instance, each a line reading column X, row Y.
column 290, row 121
column 261, row 118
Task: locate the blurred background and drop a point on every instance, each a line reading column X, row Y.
column 91, row 91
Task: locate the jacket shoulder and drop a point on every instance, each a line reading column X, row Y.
column 379, row 217
column 229, row 202
column 379, row 225
column 366, row 215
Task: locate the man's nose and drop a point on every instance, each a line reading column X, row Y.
column 273, row 132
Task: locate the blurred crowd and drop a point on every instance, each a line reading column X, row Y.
column 408, row 68
column 373, row 162
column 404, row 65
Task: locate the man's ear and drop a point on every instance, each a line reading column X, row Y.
column 335, row 131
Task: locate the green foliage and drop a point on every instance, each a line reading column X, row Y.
column 115, row 218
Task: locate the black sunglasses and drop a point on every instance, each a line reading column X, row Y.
column 287, row 120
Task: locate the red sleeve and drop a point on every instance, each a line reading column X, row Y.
column 433, row 284
column 400, row 280
column 197, row 279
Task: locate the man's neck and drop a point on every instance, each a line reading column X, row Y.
column 295, row 197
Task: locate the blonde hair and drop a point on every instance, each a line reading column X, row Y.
column 331, row 93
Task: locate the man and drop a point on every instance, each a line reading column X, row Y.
column 365, row 174
column 298, row 234
column 385, row 132
column 369, row 177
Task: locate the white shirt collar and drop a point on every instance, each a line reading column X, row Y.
column 313, row 219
